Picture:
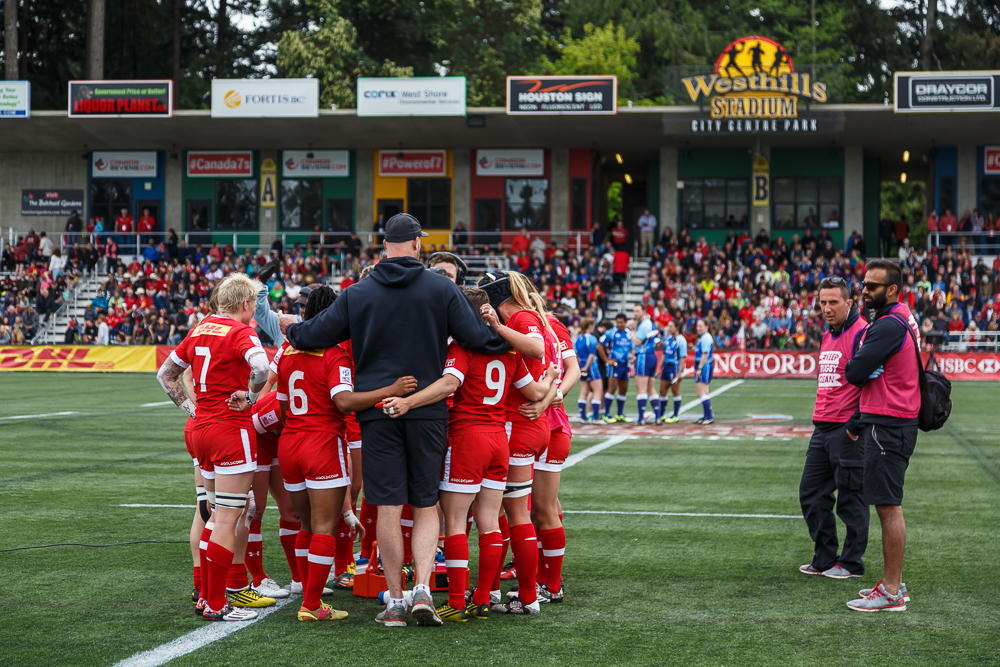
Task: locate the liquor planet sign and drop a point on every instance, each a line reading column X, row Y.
column 754, row 88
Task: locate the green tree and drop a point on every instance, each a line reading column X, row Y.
column 330, row 53
column 604, row 50
column 906, row 201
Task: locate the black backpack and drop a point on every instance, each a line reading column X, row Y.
column 935, row 391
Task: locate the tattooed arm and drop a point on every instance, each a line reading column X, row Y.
column 169, row 377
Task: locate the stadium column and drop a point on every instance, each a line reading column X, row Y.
column 966, row 182
column 364, row 200
column 668, row 188
column 854, row 190
column 461, row 183
column 560, row 192
column 268, row 214
column 173, row 201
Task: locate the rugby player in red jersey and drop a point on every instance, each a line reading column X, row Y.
column 222, row 350
column 314, row 390
column 511, row 299
column 475, row 467
column 202, row 512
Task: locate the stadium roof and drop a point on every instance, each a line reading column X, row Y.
column 637, row 133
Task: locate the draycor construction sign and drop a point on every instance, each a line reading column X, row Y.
column 754, row 78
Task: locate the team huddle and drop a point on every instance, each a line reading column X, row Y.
column 286, row 427
column 630, row 348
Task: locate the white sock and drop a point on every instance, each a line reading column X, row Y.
column 422, row 587
column 397, row 602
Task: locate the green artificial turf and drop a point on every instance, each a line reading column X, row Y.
column 641, row 589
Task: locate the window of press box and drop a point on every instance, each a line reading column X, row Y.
column 526, row 203
column 946, row 195
column 429, row 201
column 108, row 197
column 340, row 215
column 301, row 204
column 578, row 204
column 989, row 196
column 235, row 204
column 715, row 203
column 806, row 202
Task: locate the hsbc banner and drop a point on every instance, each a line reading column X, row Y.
column 219, row 163
column 265, row 98
column 304, row 164
column 116, row 164
column 412, row 163
column 795, row 364
column 504, row 162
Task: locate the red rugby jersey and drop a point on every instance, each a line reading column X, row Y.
column 217, row 351
column 265, row 415
column 479, row 403
column 308, row 381
column 530, row 324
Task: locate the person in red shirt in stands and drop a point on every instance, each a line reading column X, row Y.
column 147, row 224
column 124, row 226
column 520, row 243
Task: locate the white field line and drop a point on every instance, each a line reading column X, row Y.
column 573, row 459
column 47, row 414
column 156, row 405
column 143, row 505
column 738, row 516
column 196, row 639
column 711, row 394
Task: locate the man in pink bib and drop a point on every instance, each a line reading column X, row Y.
column 834, row 462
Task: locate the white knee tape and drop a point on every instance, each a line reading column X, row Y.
column 235, row 501
column 517, row 489
column 211, row 497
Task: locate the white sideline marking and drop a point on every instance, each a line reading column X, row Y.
column 738, row 516
column 195, row 639
column 573, row 459
column 156, row 405
column 711, row 394
column 142, row 505
column 47, row 414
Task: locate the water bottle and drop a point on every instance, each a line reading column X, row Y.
column 383, row 597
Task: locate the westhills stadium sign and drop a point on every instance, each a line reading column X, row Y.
column 754, row 88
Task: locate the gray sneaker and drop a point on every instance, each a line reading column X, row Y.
column 809, row 569
column 423, row 611
column 838, row 572
column 878, row 600
column 393, row 617
column 902, row 589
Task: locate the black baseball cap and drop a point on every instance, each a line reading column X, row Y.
column 401, row 228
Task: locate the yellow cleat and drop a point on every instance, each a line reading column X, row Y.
column 352, row 568
column 324, row 613
column 248, row 598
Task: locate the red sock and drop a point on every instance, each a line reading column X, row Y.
column 505, row 532
column 302, row 541
column 287, row 531
column 369, row 519
column 237, row 577
column 490, row 559
column 197, row 576
column 540, row 570
column 523, row 545
column 345, row 548
column 321, row 551
column 456, row 560
column 553, row 546
column 219, row 560
column 406, row 524
column 255, row 554
column 206, row 536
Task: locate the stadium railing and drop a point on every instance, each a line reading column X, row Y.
column 979, row 243
column 971, row 341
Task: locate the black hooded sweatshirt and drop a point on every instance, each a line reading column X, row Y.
column 398, row 321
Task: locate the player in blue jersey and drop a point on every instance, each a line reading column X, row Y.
column 675, row 352
column 645, row 339
column 703, row 367
column 614, row 349
column 591, row 384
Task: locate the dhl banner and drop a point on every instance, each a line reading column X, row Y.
column 83, row 358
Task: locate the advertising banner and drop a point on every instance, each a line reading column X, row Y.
column 119, row 164
column 946, row 91
column 113, row 359
column 51, row 202
column 414, row 96
column 121, row 99
column 15, row 99
column 761, row 181
column 506, row 162
column 219, row 163
column 412, row 163
column 991, row 159
column 553, row 95
column 265, row 98
column 268, row 184
column 312, row 164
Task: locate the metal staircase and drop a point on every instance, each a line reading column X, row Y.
column 53, row 332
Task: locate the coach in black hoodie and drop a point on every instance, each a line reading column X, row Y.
column 398, row 323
